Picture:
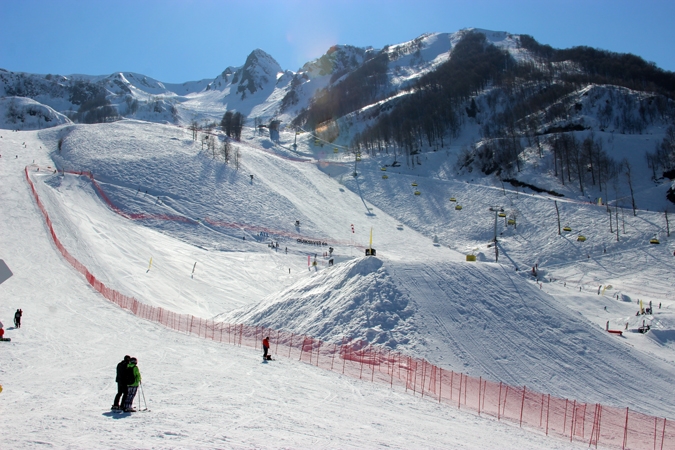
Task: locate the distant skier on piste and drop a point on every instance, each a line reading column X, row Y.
column 133, row 380
column 122, row 386
column 266, row 347
column 17, row 318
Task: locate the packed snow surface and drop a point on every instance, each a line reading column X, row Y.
column 418, row 295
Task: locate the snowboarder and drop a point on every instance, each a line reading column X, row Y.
column 133, row 380
column 121, row 383
column 2, row 331
column 266, row 347
column 17, row 318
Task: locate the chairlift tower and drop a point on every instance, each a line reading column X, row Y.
column 497, row 210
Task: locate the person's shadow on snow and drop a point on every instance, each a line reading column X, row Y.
column 117, row 415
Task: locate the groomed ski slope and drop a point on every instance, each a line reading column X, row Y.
column 483, row 319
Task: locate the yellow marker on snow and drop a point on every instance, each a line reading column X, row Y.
column 599, row 201
column 150, row 265
column 642, row 309
column 371, row 238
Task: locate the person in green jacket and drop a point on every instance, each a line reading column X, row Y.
column 133, row 380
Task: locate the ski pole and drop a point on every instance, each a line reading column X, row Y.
column 143, row 394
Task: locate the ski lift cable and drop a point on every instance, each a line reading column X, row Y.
column 322, row 140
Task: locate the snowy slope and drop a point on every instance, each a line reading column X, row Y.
column 422, row 299
column 57, row 373
column 21, row 113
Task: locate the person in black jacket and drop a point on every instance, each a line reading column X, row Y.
column 121, row 380
column 17, row 318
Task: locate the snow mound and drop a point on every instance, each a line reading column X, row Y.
column 355, row 299
column 21, row 113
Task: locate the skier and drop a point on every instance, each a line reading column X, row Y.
column 17, row 318
column 266, row 347
column 133, row 380
column 2, row 331
column 121, row 383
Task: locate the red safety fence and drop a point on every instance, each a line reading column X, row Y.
column 563, row 418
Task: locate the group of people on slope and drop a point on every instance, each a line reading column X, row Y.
column 128, row 379
column 17, row 322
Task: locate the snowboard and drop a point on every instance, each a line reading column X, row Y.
column 5, row 339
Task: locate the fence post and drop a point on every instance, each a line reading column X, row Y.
column 480, row 385
column 318, row 350
column 276, row 347
column 372, row 372
column 391, row 360
column 522, row 405
column 574, row 418
column 541, row 413
column 548, row 407
column 625, row 431
column 440, row 384
column 333, row 360
column 424, row 368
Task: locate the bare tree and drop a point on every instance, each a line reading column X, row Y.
column 627, row 168
column 194, row 127
column 225, row 150
column 237, row 158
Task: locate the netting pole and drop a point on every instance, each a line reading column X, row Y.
column 440, row 384
column 459, row 397
column 663, row 433
column 372, row 372
column 466, row 387
column 655, row 423
column 417, row 365
column 499, row 403
column 302, row 347
column 424, row 367
column 484, row 391
column 522, row 405
column 276, row 346
column 407, row 378
column 548, row 407
column 398, row 358
column 595, row 419
column 391, row 383
column 290, row 346
column 333, row 359
column 318, row 349
column 480, row 384
column 191, row 322
column 241, row 333
column 541, row 413
column 574, row 417
column 221, row 331
column 344, row 357
column 565, row 419
column 625, row 431
column 361, row 371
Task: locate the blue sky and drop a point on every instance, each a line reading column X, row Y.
column 187, row 40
